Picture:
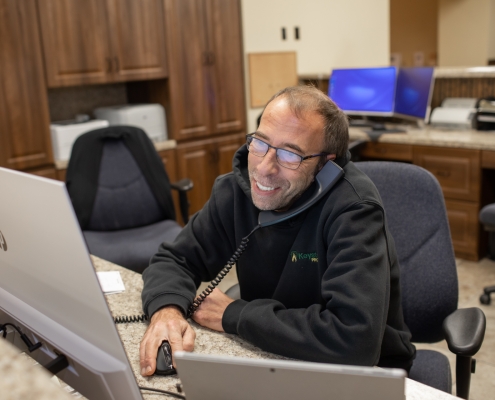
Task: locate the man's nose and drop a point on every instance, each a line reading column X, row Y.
column 269, row 164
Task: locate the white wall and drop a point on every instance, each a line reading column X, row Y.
column 465, row 32
column 333, row 33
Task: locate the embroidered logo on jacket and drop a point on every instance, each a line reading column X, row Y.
column 296, row 256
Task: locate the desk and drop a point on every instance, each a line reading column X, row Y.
column 464, row 164
column 207, row 341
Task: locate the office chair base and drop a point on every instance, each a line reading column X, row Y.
column 485, row 297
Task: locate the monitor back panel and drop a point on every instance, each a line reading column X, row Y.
column 215, row 377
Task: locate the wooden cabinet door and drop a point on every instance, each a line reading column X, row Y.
column 196, row 161
column 24, row 128
column 137, row 39
column 189, row 85
column 458, row 170
column 75, row 37
column 226, row 100
column 202, row 161
column 225, row 149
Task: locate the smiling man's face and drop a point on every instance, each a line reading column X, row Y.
column 274, row 187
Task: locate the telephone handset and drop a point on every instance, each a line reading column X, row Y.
column 325, row 180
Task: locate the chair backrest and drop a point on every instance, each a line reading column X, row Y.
column 116, row 180
column 417, row 219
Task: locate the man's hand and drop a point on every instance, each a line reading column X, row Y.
column 169, row 324
column 211, row 310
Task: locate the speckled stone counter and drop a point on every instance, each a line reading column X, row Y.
column 207, row 341
column 467, row 139
column 21, row 379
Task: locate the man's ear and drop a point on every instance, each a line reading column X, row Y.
column 331, row 157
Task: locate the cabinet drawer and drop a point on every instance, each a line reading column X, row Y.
column 464, row 228
column 388, row 151
column 458, row 170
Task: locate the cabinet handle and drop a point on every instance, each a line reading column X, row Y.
column 206, row 58
column 443, row 174
column 109, row 65
column 212, row 58
column 117, row 66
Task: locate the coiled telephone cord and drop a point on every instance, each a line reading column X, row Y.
column 214, row 283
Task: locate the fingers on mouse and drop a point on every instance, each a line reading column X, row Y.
column 164, row 365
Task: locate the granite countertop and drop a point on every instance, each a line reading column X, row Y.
column 21, row 379
column 468, row 139
column 207, row 341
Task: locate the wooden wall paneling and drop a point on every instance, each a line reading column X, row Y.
column 24, row 131
column 189, row 83
column 461, row 87
column 457, row 170
column 75, row 42
column 137, row 39
column 225, row 66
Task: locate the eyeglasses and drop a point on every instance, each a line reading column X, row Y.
column 285, row 158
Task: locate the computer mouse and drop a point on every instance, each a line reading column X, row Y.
column 164, row 364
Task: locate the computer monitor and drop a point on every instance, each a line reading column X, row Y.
column 364, row 91
column 413, row 92
column 49, row 289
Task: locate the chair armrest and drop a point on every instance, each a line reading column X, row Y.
column 464, row 331
column 183, row 185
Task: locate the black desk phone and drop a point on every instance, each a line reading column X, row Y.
column 325, row 180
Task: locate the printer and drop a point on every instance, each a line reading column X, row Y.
column 64, row 134
column 485, row 114
column 455, row 113
column 149, row 117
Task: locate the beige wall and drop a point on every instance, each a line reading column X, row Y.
column 413, row 29
column 465, row 32
column 334, row 33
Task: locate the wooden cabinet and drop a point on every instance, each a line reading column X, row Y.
column 457, row 170
column 202, row 161
column 459, row 173
column 98, row 41
column 24, row 116
column 206, row 79
column 388, row 151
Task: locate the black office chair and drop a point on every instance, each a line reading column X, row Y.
column 122, row 195
column 487, row 218
column 416, row 216
column 355, row 147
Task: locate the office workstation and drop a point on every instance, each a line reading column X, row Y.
column 192, row 94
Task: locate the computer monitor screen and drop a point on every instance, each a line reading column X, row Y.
column 364, row 91
column 49, row 289
column 413, row 93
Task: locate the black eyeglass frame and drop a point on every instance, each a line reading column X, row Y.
column 250, row 137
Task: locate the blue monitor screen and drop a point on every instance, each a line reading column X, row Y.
column 364, row 90
column 413, row 91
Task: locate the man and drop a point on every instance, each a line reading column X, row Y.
column 322, row 286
